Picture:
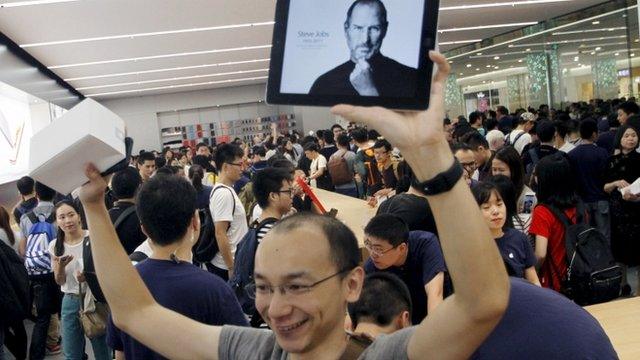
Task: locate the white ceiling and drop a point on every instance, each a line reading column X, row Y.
column 199, row 50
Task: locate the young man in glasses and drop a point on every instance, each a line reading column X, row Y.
column 415, row 257
column 306, row 272
column 227, row 211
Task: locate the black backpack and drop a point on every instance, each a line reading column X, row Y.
column 15, row 298
column 206, row 248
column 592, row 274
column 243, row 265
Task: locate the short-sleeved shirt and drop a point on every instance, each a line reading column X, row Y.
column 183, row 288
column 129, row 232
column 538, row 324
column 44, row 208
column 545, row 224
column 222, row 204
column 516, row 251
column 424, row 262
column 318, row 163
column 70, row 285
column 413, row 209
column 589, row 163
column 522, row 140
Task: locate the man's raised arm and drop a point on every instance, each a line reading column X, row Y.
column 461, row 323
column 133, row 308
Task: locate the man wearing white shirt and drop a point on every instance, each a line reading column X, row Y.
column 519, row 137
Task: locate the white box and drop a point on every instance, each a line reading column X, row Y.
column 89, row 132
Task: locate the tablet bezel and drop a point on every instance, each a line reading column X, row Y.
column 425, row 68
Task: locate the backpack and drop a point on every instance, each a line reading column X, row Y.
column 206, row 248
column 37, row 258
column 508, row 141
column 243, row 265
column 23, row 209
column 339, row 170
column 15, row 298
column 87, row 258
column 248, row 199
column 592, row 274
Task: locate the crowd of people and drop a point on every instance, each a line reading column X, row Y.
column 226, row 243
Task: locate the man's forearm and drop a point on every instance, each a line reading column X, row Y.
column 225, row 248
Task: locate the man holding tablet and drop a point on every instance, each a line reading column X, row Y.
column 306, row 272
column 368, row 72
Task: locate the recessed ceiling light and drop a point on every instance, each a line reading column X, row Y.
column 139, row 35
column 178, row 86
column 496, row 67
column 161, row 56
column 167, row 69
column 468, row 65
column 593, row 53
column 632, row 55
column 579, row 64
column 577, row 58
column 461, row 74
column 595, row 22
column 488, row 66
column 479, row 54
column 479, row 27
column 636, row 40
column 520, row 60
column 33, row 2
column 528, row 49
column 616, row 54
column 496, row 58
column 484, row 81
column 477, row 69
column 172, row 79
column 598, row 48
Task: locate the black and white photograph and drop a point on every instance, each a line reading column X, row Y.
column 352, row 48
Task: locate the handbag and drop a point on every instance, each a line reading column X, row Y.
column 93, row 321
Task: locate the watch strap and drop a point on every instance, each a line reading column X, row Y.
column 442, row 182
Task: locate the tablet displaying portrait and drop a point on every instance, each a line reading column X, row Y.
column 361, row 52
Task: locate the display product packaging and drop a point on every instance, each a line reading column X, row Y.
column 89, row 132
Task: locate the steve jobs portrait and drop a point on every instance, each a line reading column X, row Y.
column 368, row 72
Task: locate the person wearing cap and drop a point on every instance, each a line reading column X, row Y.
column 519, row 137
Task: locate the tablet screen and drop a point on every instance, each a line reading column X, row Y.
column 343, row 47
column 368, row 52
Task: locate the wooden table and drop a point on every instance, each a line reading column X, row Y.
column 621, row 321
column 355, row 213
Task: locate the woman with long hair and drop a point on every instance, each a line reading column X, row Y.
column 556, row 188
column 514, row 246
column 66, row 256
column 203, row 192
column 507, row 162
column 7, row 235
column 285, row 148
column 624, row 169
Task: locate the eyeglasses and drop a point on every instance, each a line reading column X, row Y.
column 254, row 289
column 240, row 164
column 376, row 251
column 288, row 192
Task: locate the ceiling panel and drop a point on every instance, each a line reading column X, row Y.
column 103, row 18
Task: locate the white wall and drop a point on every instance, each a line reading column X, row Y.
column 141, row 119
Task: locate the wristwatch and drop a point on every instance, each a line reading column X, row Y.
column 442, row 182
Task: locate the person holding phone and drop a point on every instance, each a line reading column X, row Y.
column 368, row 72
column 66, row 254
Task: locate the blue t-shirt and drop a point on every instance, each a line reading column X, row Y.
column 516, row 251
column 589, row 163
column 183, row 288
column 424, row 262
column 541, row 324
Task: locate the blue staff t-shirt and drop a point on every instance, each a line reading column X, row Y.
column 183, row 288
column 516, row 251
column 424, row 262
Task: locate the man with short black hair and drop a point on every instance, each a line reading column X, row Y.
column 560, row 137
column 384, row 306
column 167, row 209
column 229, row 216
column 606, row 140
column 349, row 188
column 329, row 144
column 336, row 129
column 626, row 110
column 387, row 167
column 483, row 154
column 475, row 121
column 589, row 163
column 367, row 176
column 545, row 130
column 203, row 149
column 125, row 184
column 414, row 256
column 146, row 165
column 272, row 188
column 27, row 193
column 259, row 159
column 467, row 158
